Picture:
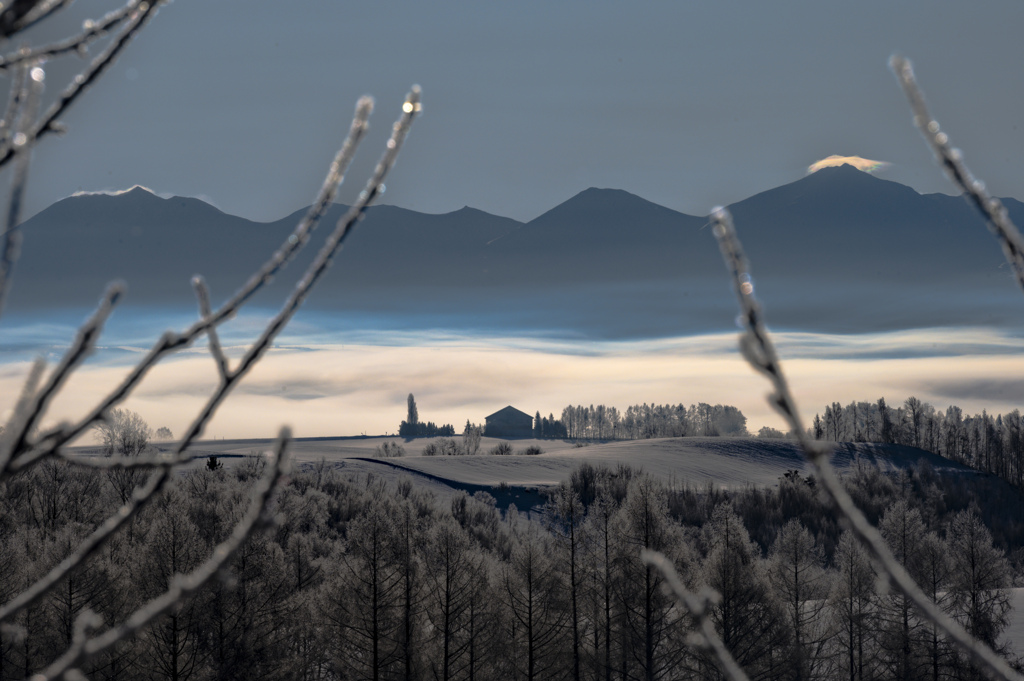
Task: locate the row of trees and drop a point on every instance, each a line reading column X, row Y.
column 360, row 580
column 413, row 427
column 642, row 421
column 993, row 444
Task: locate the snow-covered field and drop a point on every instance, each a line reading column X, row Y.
column 726, row 462
column 1014, row 633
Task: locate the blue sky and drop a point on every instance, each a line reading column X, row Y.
column 689, row 104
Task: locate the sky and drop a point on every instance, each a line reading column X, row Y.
column 688, row 104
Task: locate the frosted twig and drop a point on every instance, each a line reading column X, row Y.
column 183, row 586
column 951, row 160
column 21, row 414
column 165, row 465
column 698, row 607
column 142, row 12
column 93, row 30
column 203, row 296
column 85, row 341
column 22, row 14
column 757, row 347
column 140, row 496
column 14, row 101
column 319, row 265
column 32, row 91
column 49, row 442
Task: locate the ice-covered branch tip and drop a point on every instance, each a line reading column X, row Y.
column 951, row 160
column 321, row 262
column 34, row 400
column 698, row 607
column 141, row 12
column 19, row 15
column 184, row 586
column 755, row 343
column 91, row 31
column 203, row 296
column 757, row 348
column 21, row 141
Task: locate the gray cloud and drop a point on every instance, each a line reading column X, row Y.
column 993, row 390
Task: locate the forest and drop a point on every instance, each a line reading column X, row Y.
column 992, row 444
column 641, row 422
column 360, row 579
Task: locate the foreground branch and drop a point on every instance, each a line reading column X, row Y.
column 951, row 160
column 698, row 607
column 32, row 406
column 757, row 347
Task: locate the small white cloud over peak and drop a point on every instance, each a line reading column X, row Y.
column 115, row 192
column 865, row 164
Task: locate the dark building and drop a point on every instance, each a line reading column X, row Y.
column 508, row 422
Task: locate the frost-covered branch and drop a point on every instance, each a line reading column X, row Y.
column 698, row 607
column 14, row 100
column 757, row 347
column 952, row 161
column 91, row 31
column 20, row 15
column 141, row 12
column 203, row 297
column 18, row 452
column 319, row 265
column 51, row 441
column 31, row 81
column 85, row 341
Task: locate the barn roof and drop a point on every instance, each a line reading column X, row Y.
column 508, row 411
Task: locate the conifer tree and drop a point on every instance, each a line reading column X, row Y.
column 979, row 581
column 851, row 603
column 798, row 580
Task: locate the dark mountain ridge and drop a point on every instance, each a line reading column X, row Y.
column 837, row 250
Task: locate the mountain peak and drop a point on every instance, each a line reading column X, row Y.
column 136, row 190
column 596, row 202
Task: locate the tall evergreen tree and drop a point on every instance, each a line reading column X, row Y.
column 851, row 603
column 798, row 580
column 747, row 616
column 413, row 416
column 979, row 582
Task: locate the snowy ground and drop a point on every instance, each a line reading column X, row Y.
column 726, row 462
column 1014, row 633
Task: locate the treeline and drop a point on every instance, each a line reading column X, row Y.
column 992, row 444
column 427, row 429
column 359, row 579
column 413, row 427
column 642, row 421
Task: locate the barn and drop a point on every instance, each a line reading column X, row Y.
column 508, row 422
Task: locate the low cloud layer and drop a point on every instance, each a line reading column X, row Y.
column 360, row 388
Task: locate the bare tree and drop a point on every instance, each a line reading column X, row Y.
column 124, row 433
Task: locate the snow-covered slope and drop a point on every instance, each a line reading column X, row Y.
column 728, row 462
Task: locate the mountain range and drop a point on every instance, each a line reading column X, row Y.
column 838, row 250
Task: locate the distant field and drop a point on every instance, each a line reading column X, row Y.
column 725, row 462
